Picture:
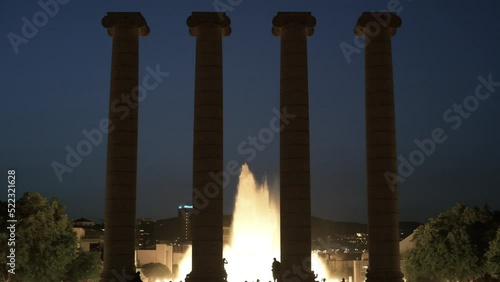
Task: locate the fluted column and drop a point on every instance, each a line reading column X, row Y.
column 208, row 28
column 383, row 210
column 295, row 194
column 121, row 170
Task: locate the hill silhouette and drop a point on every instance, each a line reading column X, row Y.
column 169, row 229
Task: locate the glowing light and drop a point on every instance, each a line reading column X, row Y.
column 255, row 232
column 255, row 236
column 184, row 265
column 319, row 267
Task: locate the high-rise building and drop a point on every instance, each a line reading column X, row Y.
column 185, row 213
column 145, row 233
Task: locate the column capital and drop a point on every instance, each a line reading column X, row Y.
column 128, row 19
column 293, row 19
column 371, row 24
column 209, row 19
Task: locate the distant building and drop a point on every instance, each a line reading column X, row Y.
column 83, row 222
column 170, row 255
column 407, row 244
column 89, row 236
column 185, row 214
column 145, row 233
column 162, row 253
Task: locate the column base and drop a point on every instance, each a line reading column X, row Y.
column 384, row 276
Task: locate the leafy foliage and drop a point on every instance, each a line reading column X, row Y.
column 85, row 267
column 493, row 257
column 45, row 243
column 452, row 246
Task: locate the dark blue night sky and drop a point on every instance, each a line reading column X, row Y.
column 57, row 85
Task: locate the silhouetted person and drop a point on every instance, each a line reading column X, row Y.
column 343, row 280
column 224, row 273
column 276, row 269
column 137, row 277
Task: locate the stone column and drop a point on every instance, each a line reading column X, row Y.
column 381, row 159
column 295, row 194
column 208, row 28
column 121, row 169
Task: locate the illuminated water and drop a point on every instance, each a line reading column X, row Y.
column 255, row 237
column 255, row 231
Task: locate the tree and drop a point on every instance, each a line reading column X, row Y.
column 493, row 257
column 85, row 267
column 5, row 276
column 44, row 240
column 452, row 246
column 156, row 271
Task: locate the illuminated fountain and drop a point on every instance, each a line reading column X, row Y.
column 255, row 235
column 255, row 232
